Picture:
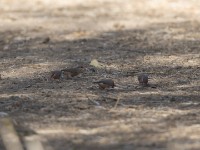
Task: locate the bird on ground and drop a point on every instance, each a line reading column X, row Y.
column 46, row 40
column 57, row 74
column 143, row 79
column 105, row 83
column 72, row 72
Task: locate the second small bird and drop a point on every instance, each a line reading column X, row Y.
column 72, row 72
column 143, row 79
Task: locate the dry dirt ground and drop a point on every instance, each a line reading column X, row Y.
column 160, row 38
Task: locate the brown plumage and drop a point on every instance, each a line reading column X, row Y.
column 46, row 40
column 72, row 72
column 143, row 79
column 105, row 83
column 56, row 74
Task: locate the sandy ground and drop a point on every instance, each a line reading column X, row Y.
column 128, row 37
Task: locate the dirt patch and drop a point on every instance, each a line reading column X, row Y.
column 159, row 38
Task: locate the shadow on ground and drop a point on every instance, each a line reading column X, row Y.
column 146, row 118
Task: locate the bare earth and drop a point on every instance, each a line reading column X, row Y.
column 160, row 38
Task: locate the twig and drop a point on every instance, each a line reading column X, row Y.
column 9, row 136
column 118, row 98
column 93, row 101
column 33, row 143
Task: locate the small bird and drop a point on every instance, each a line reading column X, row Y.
column 105, row 83
column 143, row 79
column 46, row 40
column 56, row 74
column 72, row 72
